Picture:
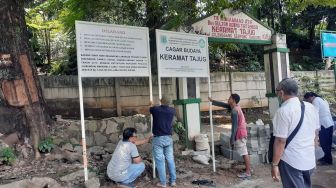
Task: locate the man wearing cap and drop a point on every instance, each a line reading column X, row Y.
column 162, row 141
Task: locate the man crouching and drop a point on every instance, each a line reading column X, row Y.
column 126, row 164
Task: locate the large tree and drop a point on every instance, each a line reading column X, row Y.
column 18, row 78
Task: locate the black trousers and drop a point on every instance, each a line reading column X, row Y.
column 294, row 178
column 325, row 142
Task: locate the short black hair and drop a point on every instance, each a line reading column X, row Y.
column 128, row 133
column 235, row 97
column 310, row 94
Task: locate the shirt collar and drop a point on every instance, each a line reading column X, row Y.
column 290, row 100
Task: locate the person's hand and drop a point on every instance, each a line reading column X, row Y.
column 275, row 173
column 210, row 99
column 150, row 137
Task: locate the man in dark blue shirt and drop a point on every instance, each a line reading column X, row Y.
column 162, row 141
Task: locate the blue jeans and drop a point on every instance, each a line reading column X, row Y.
column 134, row 171
column 163, row 149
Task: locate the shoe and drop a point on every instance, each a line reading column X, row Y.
column 173, row 184
column 160, row 185
column 244, row 176
column 323, row 163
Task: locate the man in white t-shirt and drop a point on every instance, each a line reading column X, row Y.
column 297, row 161
column 327, row 125
column 126, row 164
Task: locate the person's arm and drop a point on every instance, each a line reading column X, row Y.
column 137, row 160
column 135, row 154
column 219, row 103
column 278, row 149
column 280, row 132
column 317, row 138
column 144, row 141
column 234, row 128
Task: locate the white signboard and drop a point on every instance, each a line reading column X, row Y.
column 105, row 50
column 182, row 54
column 232, row 25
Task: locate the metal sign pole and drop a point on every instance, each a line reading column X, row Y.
column 82, row 126
column 212, row 132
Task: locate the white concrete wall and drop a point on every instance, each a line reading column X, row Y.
column 100, row 95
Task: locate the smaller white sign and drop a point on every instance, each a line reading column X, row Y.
column 106, row 50
column 182, row 54
column 232, row 25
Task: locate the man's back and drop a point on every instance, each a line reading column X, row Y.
column 300, row 153
column 162, row 120
column 324, row 112
column 121, row 160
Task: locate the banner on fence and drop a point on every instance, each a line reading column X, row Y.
column 328, row 43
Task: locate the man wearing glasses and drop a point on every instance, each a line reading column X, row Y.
column 126, row 164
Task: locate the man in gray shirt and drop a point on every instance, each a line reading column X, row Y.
column 126, row 164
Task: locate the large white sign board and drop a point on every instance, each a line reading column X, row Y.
column 182, row 54
column 106, row 50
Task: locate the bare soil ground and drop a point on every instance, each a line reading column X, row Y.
column 187, row 170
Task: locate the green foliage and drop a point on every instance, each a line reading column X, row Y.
column 52, row 26
column 180, row 131
column 46, row 145
column 7, row 156
column 309, row 84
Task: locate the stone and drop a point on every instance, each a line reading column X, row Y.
column 114, row 138
column 141, row 127
column 175, row 137
column 74, row 127
column 91, row 125
column 111, row 127
column 96, row 150
column 106, row 157
column 227, row 153
column 92, row 183
column 73, row 176
column 110, row 147
column 34, row 182
column 57, row 141
column 89, row 139
column 103, row 126
column 3, row 145
column 67, row 146
column 100, row 139
column 129, row 122
column 78, row 149
column 74, row 141
column 119, row 120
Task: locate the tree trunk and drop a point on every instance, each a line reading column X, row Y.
column 18, row 78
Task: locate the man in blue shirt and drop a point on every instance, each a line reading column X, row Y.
column 162, row 141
